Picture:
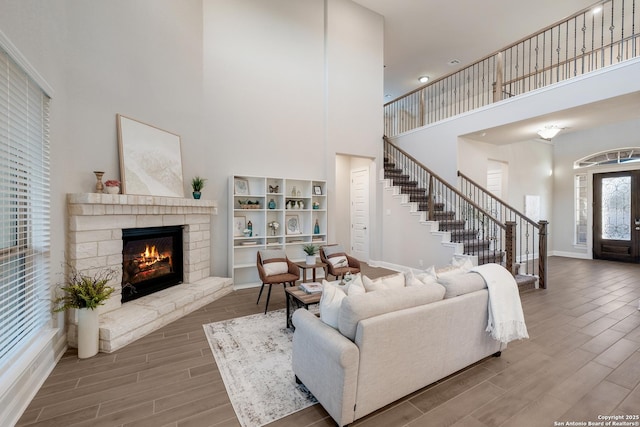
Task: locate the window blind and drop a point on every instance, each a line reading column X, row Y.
column 24, row 209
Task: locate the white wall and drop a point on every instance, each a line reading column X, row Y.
column 529, row 169
column 288, row 85
column 142, row 59
column 252, row 87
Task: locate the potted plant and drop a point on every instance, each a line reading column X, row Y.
column 311, row 251
column 85, row 293
column 197, row 184
column 112, row 186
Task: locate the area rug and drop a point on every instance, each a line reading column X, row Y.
column 253, row 354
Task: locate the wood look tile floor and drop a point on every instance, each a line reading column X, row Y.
column 582, row 361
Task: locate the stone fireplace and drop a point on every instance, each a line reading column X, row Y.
column 98, row 223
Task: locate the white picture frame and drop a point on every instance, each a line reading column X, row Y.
column 239, row 225
column 292, row 224
column 241, row 187
column 150, row 159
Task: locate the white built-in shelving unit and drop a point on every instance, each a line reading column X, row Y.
column 297, row 205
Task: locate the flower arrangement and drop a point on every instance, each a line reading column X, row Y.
column 112, row 183
column 274, row 225
column 85, row 291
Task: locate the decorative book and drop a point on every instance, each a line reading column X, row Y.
column 311, row 288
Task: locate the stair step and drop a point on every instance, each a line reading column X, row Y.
column 443, row 215
column 476, row 245
column 455, row 224
column 525, row 282
column 396, row 175
column 488, row 256
column 463, row 235
column 412, row 190
column 424, row 207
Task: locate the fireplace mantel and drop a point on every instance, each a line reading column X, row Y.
column 94, row 241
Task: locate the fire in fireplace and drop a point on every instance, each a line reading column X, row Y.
column 151, row 260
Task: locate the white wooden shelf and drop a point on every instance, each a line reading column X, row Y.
column 283, row 200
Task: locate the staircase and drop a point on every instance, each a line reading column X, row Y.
column 481, row 234
column 458, row 228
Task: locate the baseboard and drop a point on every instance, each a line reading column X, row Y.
column 36, row 364
column 579, row 255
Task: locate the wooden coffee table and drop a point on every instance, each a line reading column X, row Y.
column 297, row 298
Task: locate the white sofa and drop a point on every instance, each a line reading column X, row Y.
column 390, row 343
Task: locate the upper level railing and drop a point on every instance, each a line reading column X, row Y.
column 580, row 44
column 530, row 237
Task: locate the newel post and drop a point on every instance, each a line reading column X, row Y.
column 542, row 254
column 431, row 199
column 510, row 246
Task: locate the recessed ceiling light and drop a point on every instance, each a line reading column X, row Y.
column 454, row 62
column 423, row 79
column 387, row 96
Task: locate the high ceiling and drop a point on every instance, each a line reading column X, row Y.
column 423, row 36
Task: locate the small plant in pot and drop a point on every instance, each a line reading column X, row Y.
column 311, row 251
column 85, row 293
column 197, row 184
column 112, row 186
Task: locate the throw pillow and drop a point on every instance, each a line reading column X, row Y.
column 272, row 268
column 464, row 263
column 356, row 287
column 395, row 281
column 460, row 284
column 330, row 303
column 339, row 261
column 426, row 277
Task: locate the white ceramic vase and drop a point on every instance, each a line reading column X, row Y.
column 311, row 259
column 88, row 333
column 112, row 190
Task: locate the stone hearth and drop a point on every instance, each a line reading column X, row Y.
column 94, row 242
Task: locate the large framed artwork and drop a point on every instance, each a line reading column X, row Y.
column 150, row 159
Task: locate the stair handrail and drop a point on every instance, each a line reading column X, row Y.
column 516, row 216
column 446, row 184
column 506, row 205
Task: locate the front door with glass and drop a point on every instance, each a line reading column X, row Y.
column 616, row 216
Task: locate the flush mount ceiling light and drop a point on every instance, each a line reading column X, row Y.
column 596, row 10
column 423, row 79
column 549, row 132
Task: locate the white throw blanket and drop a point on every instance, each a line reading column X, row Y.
column 506, row 319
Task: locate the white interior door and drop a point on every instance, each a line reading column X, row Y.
column 360, row 214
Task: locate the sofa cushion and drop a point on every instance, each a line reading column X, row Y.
column 355, row 286
column 419, row 278
column 460, row 284
column 358, row 307
column 394, row 281
column 330, row 303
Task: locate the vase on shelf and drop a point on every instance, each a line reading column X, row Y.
column 272, row 204
column 196, row 194
column 316, row 228
column 99, row 184
column 113, row 189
